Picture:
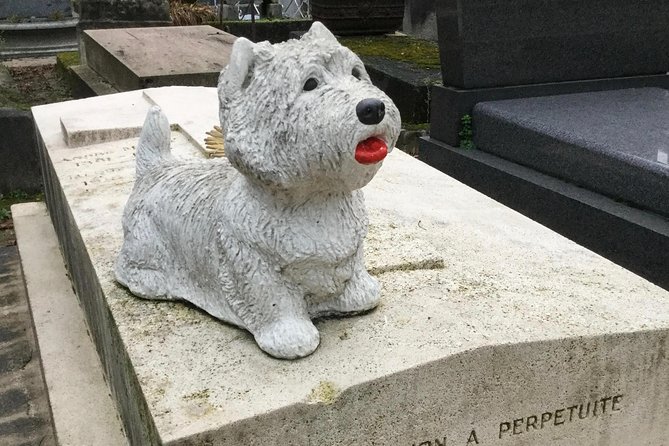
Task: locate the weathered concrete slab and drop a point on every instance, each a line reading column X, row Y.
column 612, row 142
column 134, row 58
column 112, row 118
column 520, row 325
column 82, row 408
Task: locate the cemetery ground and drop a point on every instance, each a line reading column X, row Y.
column 25, row 418
column 28, row 82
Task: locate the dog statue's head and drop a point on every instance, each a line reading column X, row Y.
column 304, row 113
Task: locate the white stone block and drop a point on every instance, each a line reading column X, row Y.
column 492, row 329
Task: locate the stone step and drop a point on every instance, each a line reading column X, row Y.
column 611, row 142
column 82, row 408
column 86, row 83
column 491, row 327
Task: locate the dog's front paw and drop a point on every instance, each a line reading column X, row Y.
column 362, row 293
column 288, row 338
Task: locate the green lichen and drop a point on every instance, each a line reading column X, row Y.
column 325, row 392
column 68, row 59
column 421, row 53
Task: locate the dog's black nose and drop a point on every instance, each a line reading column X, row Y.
column 370, row 111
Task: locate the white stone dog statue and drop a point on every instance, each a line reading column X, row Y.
column 270, row 237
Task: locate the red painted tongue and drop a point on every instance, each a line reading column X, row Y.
column 370, row 151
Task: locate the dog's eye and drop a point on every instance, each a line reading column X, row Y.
column 356, row 73
column 310, row 84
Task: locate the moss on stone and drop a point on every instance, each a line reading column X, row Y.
column 415, row 126
column 421, row 53
column 325, row 392
column 15, row 197
column 68, row 59
column 12, row 98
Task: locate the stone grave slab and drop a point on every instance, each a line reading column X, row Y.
column 134, row 58
column 492, row 328
column 612, row 142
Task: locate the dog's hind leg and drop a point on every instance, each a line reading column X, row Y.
column 140, row 264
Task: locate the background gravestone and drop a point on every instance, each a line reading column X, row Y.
column 96, row 14
column 553, row 93
column 493, row 50
column 420, row 19
column 35, row 8
column 487, row 43
column 110, row 11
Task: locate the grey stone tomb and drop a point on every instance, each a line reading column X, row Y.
column 492, row 328
column 132, row 58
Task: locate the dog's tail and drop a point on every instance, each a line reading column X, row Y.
column 154, row 141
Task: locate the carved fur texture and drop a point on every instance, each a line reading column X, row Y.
column 271, row 236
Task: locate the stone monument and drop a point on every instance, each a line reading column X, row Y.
column 278, row 241
column 491, row 328
column 563, row 106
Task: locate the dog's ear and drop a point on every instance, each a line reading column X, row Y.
column 318, row 31
column 236, row 74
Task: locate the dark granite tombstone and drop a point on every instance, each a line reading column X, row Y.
column 19, row 168
column 493, row 49
column 565, row 130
